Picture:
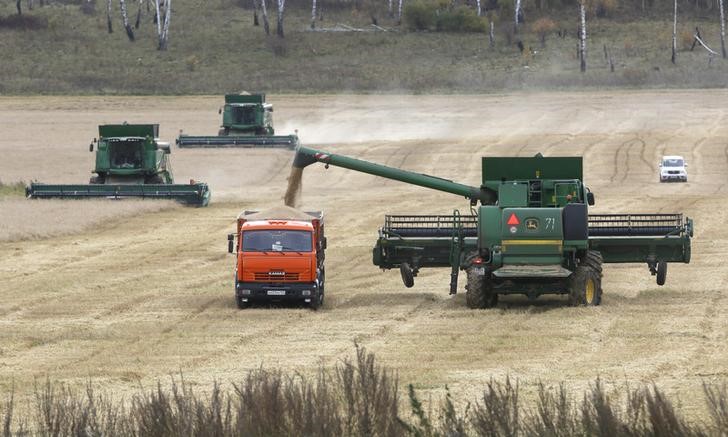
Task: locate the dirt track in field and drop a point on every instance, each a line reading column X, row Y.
column 143, row 297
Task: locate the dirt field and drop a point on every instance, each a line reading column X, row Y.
column 144, row 297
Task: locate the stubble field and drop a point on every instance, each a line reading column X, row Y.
column 137, row 298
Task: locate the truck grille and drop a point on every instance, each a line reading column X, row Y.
column 268, row 277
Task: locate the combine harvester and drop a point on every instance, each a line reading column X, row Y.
column 130, row 162
column 531, row 234
column 247, row 121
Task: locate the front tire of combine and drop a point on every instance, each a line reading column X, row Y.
column 479, row 291
column 585, row 284
column 661, row 273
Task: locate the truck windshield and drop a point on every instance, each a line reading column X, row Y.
column 126, row 153
column 277, row 241
column 672, row 162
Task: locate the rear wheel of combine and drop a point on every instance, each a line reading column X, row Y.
column 585, row 284
column 479, row 292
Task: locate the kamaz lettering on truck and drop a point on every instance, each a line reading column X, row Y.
column 279, row 259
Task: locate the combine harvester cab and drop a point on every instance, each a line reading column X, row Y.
column 532, row 233
column 247, row 122
column 130, row 163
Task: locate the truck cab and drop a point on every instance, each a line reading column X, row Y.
column 279, row 260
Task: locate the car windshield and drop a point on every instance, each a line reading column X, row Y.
column 276, row 241
column 672, row 162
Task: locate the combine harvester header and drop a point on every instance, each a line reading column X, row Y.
column 247, row 121
column 130, row 163
column 531, row 234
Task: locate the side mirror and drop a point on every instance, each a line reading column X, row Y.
column 231, row 240
column 685, row 164
column 590, row 198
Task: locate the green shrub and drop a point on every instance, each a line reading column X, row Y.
column 461, row 19
column 433, row 15
column 420, row 15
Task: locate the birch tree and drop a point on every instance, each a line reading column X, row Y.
column 125, row 20
column 279, row 22
column 164, row 37
column 108, row 17
column 477, row 6
column 389, row 8
column 313, row 14
column 515, row 16
column 722, row 29
column 255, row 13
column 399, row 12
column 582, row 37
column 674, row 31
column 264, row 10
column 139, row 15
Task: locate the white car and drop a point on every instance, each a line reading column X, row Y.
column 672, row 168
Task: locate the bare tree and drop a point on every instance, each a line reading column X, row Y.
column 139, row 15
column 674, row 31
column 399, row 12
column 125, row 20
column 255, row 13
column 477, row 6
column 389, row 8
column 313, row 14
column 18, row 6
column 517, row 12
column 108, row 17
column 164, row 38
column 279, row 21
column 264, row 10
column 30, row 5
column 722, row 29
column 582, row 37
column 491, row 33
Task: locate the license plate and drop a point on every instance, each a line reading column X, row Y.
column 479, row 270
column 276, row 292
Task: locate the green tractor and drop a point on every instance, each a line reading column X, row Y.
column 130, row 162
column 247, row 121
column 531, row 234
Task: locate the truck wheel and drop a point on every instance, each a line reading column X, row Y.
column 317, row 300
column 661, row 272
column 585, row 284
column 408, row 277
column 239, row 301
column 479, row 292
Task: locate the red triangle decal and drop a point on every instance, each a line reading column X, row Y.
column 513, row 220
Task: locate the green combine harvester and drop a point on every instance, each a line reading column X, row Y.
column 532, row 233
column 130, row 162
column 247, row 121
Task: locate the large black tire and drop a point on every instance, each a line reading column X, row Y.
column 585, row 284
column 154, row 179
column 317, row 300
column 479, row 291
column 408, row 277
column 661, row 273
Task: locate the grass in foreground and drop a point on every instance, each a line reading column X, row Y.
column 357, row 398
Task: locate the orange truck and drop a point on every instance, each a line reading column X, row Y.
column 280, row 257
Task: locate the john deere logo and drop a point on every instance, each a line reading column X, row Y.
column 532, row 224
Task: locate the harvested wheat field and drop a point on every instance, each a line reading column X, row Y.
column 134, row 299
